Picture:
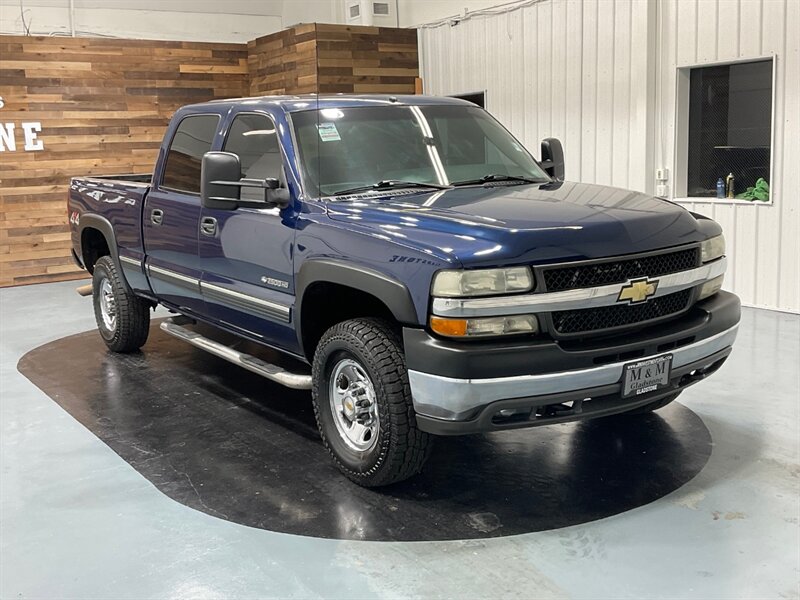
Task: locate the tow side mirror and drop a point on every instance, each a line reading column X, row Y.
column 217, row 169
column 221, row 184
column 553, row 158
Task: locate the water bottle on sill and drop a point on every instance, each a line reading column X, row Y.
column 720, row 188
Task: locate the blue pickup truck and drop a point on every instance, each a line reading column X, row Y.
column 427, row 275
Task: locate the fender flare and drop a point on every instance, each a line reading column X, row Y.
column 392, row 293
column 104, row 226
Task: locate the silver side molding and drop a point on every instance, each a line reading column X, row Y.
column 451, row 398
column 251, row 304
column 274, row 373
column 174, row 278
column 131, row 261
column 605, row 295
column 273, row 311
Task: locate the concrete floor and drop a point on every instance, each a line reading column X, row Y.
column 77, row 521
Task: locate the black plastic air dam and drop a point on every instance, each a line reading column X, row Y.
column 228, row 443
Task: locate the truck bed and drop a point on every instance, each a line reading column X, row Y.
column 119, row 199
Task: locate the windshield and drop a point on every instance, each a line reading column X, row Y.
column 344, row 148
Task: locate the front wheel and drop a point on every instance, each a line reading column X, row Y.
column 123, row 319
column 362, row 402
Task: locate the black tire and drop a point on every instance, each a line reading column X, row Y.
column 131, row 325
column 401, row 448
column 655, row 405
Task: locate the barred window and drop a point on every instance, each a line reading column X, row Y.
column 730, row 130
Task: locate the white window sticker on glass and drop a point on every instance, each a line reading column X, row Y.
column 328, row 132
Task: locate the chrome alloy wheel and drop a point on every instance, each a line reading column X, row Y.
column 108, row 304
column 354, row 405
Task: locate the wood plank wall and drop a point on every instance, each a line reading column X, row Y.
column 327, row 58
column 366, row 60
column 104, row 105
column 284, row 62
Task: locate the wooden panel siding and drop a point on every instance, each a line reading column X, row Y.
column 284, row 62
column 104, row 104
column 327, row 58
column 367, row 60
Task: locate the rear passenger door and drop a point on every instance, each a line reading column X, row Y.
column 248, row 278
column 171, row 217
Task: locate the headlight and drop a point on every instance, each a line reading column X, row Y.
column 711, row 287
column 485, row 326
column 482, row 282
column 712, row 249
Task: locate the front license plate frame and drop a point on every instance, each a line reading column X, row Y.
column 646, row 376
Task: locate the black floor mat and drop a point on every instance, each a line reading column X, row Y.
column 226, row 442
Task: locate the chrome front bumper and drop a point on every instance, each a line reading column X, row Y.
column 454, row 399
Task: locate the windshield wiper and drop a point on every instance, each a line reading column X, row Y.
column 389, row 184
column 499, row 177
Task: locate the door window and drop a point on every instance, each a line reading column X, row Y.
column 192, row 140
column 254, row 140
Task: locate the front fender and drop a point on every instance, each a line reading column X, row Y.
column 394, row 294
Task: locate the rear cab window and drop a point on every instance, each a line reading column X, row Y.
column 192, row 139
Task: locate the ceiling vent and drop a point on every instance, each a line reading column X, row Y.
column 354, row 11
column 370, row 13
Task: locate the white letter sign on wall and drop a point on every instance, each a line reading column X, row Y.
column 8, row 140
column 32, row 143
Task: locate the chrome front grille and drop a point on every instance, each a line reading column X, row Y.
column 593, row 320
column 597, row 273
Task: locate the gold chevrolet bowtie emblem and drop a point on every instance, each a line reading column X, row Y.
column 637, row 291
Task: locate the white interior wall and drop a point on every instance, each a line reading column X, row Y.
column 190, row 20
column 569, row 69
column 763, row 239
column 411, row 12
column 416, row 12
column 601, row 76
column 312, row 11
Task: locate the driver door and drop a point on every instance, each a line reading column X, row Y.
column 248, row 280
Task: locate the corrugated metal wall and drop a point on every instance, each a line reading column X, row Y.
column 763, row 240
column 568, row 69
column 602, row 77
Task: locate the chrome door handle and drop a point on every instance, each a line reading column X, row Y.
column 208, row 226
column 157, row 216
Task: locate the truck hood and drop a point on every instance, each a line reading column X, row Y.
column 504, row 224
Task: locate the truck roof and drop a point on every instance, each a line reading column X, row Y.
column 309, row 101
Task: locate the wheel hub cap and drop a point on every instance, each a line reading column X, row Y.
column 353, row 405
column 108, row 304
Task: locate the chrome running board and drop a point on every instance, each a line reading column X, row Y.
column 251, row 363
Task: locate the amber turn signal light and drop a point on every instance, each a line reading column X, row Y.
column 486, row 326
column 449, row 327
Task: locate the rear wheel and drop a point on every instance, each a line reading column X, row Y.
column 362, row 402
column 123, row 319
